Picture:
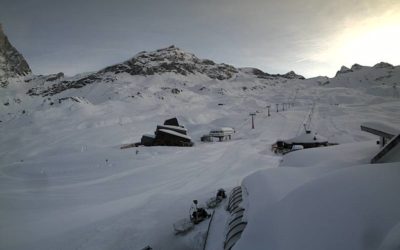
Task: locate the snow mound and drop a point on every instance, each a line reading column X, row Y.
column 341, row 210
column 324, row 204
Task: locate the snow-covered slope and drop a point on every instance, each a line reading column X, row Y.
column 65, row 184
column 326, row 198
column 379, row 80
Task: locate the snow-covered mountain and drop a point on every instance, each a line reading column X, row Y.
column 12, row 63
column 170, row 60
column 66, row 184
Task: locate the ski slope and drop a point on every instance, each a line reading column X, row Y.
column 66, row 184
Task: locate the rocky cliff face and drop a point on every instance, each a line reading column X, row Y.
column 12, row 63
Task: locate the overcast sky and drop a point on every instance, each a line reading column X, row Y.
column 312, row 37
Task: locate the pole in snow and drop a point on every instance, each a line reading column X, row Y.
column 277, row 106
column 283, row 107
column 268, row 110
column 252, row 120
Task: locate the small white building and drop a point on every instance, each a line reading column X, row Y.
column 224, row 133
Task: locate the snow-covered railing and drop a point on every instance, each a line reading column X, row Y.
column 389, row 141
column 389, row 153
column 384, row 131
column 236, row 224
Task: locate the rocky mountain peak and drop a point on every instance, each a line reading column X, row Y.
column 356, row 67
column 261, row 74
column 384, row 65
column 343, row 70
column 171, row 60
column 161, row 61
column 12, row 63
column 293, row 75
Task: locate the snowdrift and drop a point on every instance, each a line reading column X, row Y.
column 327, row 206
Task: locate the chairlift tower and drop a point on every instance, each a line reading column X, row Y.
column 268, row 107
column 395, row 91
column 252, row 120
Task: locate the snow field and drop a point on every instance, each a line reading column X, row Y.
column 65, row 184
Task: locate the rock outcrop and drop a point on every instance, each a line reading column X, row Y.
column 356, row 67
column 293, row 75
column 383, row 65
column 263, row 75
column 12, row 63
column 343, row 70
column 173, row 60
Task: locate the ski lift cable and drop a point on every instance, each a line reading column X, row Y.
column 310, row 116
column 306, row 120
column 243, row 124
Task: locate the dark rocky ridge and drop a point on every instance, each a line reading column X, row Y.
column 173, row 60
column 356, row 66
column 384, row 65
column 343, row 70
column 263, row 75
column 12, row 63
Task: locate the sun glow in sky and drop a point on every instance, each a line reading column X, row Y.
column 366, row 41
column 311, row 37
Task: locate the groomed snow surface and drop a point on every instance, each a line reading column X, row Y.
column 66, row 184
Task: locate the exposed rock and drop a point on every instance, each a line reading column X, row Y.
column 175, row 91
column 356, row 66
column 343, row 70
column 64, row 85
column 12, row 63
column 293, row 75
column 263, row 75
column 168, row 60
column 173, row 60
column 73, row 99
column 257, row 72
column 54, row 77
column 384, row 65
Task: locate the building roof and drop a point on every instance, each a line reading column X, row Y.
column 171, row 127
column 389, row 153
column 380, row 129
column 167, row 131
